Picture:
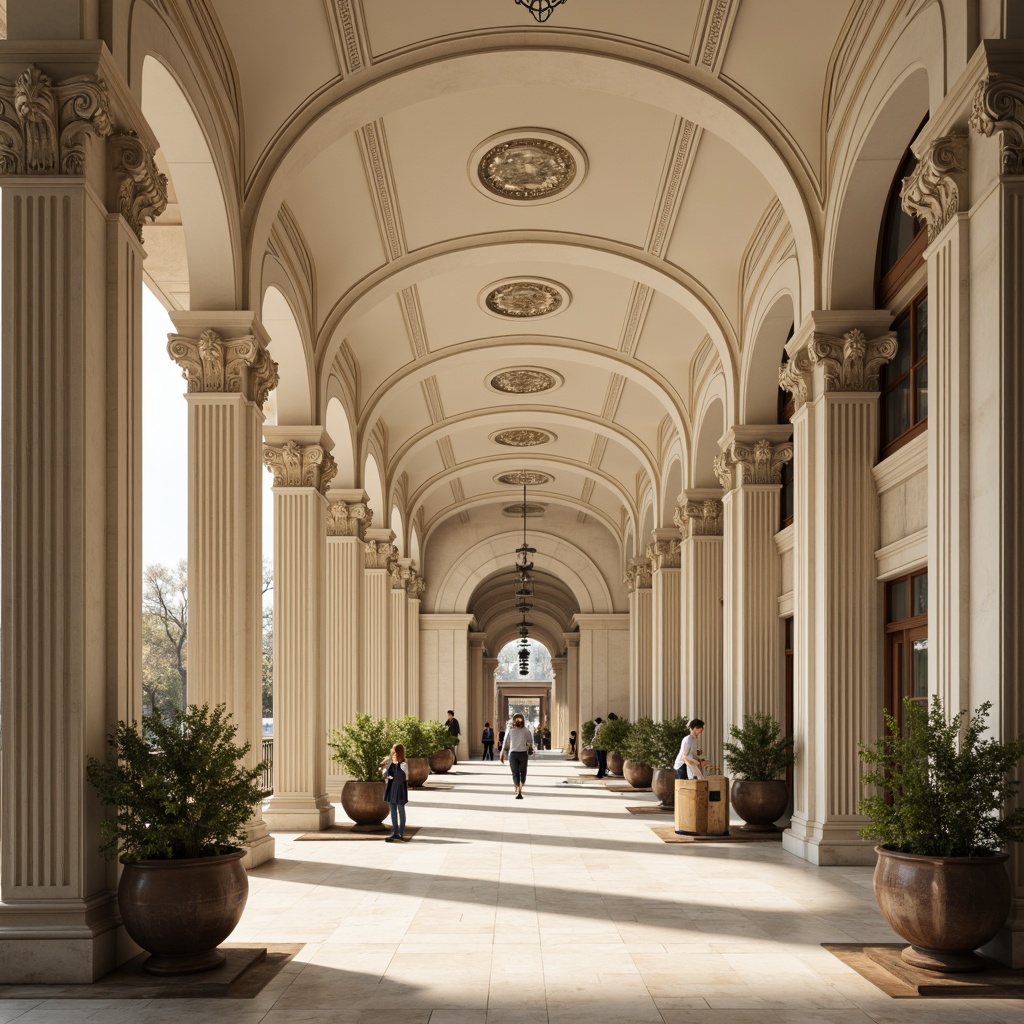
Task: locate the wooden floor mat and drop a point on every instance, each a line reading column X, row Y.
column 668, row 834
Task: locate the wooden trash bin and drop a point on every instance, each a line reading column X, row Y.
column 702, row 806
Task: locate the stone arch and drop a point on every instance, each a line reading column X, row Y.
column 711, row 425
column 414, row 547
column 293, row 395
column 340, row 433
column 671, row 489
column 374, row 487
column 646, row 524
column 759, row 387
column 397, row 525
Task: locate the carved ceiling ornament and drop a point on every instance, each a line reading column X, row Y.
column 523, row 437
column 43, row 126
column 699, row 518
column 526, row 380
column 212, row 365
column 525, row 298
column 527, row 169
column 380, row 554
column 849, row 363
column 524, row 477
column 300, row 465
column 346, row 519
column 517, row 511
column 760, row 462
column 999, row 107
column 934, row 190
column 141, row 189
column 665, row 554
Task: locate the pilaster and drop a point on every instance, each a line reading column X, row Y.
column 572, row 687
column 347, row 515
column 699, row 518
column 666, row 623
column 559, row 731
column 749, row 468
column 299, row 458
column 832, row 372
column 638, row 583
column 479, row 701
column 401, row 573
column 414, row 588
column 604, row 663
column 380, row 554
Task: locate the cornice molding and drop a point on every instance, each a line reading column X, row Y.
column 937, row 187
column 212, row 365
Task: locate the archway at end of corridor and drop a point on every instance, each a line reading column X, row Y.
column 530, row 693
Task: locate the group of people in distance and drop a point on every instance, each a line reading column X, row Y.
column 689, row 763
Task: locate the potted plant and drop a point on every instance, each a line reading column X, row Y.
column 587, row 756
column 439, row 740
column 670, row 734
column 940, row 820
column 756, row 758
column 182, row 794
column 640, row 752
column 611, row 736
column 410, row 733
column 360, row 747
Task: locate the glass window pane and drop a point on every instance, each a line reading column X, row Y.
column 919, row 669
column 921, row 392
column 901, row 362
column 919, row 602
column 896, row 411
column 921, row 329
column 899, row 592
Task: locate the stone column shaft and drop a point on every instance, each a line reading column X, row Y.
column 666, row 652
column 302, row 467
column 415, row 587
column 572, row 687
column 398, row 637
column 479, row 701
column 380, row 554
column 559, row 731
column 638, row 582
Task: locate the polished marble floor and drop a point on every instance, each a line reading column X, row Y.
column 562, row 907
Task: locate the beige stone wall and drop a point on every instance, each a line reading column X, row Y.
column 902, row 481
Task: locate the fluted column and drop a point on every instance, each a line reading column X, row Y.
column 347, row 514
column 479, row 700
column 557, row 715
column 833, row 373
column 401, row 573
column 572, row 688
column 749, row 468
column 493, row 711
column 380, row 555
column 638, row 583
column 414, row 588
column 699, row 518
column 666, row 652
column 299, row 458
column 71, row 493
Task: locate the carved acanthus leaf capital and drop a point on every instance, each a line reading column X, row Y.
column 212, row 365
column 300, row 465
column 758, row 462
column 999, row 107
column 400, row 575
column 699, row 518
column 43, row 126
column 850, row 363
column 664, row 554
column 380, row 554
column 638, row 575
column 938, row 184
column 140, row 190
column 415, row 587
column 345, row 519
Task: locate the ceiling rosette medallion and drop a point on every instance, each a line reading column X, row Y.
column 523, row 437
column 520, row 510
column 525, row 298
column 527, row 165
column 524, row 380
column 524, row 478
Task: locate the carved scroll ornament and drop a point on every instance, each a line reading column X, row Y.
column 638, row 575
column 938, row 184
column 345, row 519
column 760, row 462
column 141, row 190
column 300, row 465
column 415, row 587
column 43, row 125
column 380, row 554
column 664, row 554
column 699, row 518
column 212, row 365
column 999, row 107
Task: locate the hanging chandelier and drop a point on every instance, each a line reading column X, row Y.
column 540, row 9
column 524, row 593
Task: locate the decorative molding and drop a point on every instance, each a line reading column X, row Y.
column 526, row 169
column 351, row 51
column 616, row 385
column 523, row 437
column 938, row 184
column 400, row 575
column 300, row 465
column 714, row 28
column 347, row 519
column 525, row 298
column 212, row 365
column 139, row 189
column 664, row 554
column 849, row 363
column 43, row 126
column 671, row 193
column 760, row 462
column 636, row 315
column 373, row 146
column 412, row 314
column 432, row 396
column 999, row 107
column 380, row 554
column 699, row 518
column 524, row 477
column 415, row 586
column 638, row 575
column 524, row 380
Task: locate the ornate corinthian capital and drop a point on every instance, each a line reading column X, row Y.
column 999, row 107
column 849, row 363
column 400, row 575
column 140, row 190
column 346, row 519
column 759, row 461
column 664, row 554
column 638, row 575
column 699, row 518
column 380, row 554
column 43, row 126
column 415, row 587
column 299, row 465
column 938, row 184
column 212, row 365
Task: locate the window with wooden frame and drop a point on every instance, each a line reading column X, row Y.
column 785, row 409
column 906, row 642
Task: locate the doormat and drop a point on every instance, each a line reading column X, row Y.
column 341, row 832
column 243, row 976
column 667, row 834
column 882, row 965
column 650, row 809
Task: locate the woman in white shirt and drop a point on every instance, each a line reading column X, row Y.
column 518, row 744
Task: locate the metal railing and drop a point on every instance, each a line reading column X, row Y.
column 267, row 778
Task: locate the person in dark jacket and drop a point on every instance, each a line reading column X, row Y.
column 454, row 730
column 396, row 790
column 488, row 741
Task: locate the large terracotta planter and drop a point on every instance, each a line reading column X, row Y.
column 588, row 757
column 179, row 911
column 663, row 784
column 441, row 761
column 419, row 770
column 636, row 774
column 364, row 803
column 614, row 762
column 759, row 804
column 946, row 907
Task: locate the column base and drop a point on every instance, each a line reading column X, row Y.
column 299, row 813
column 335, row 782
column 1008, row 946
column 829, row 844
column 260, row 844
column 51, row 942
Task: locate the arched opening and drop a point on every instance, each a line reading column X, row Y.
column 292, row 395
column 374, row 488
column 398, row 529
column 340, row 433
column 528, row 694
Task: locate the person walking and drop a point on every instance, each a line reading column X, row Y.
column 689, row 763
column 518, row 744
column 602, row 755
column 488, row 741
column 396, row 790
column 454, row 730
